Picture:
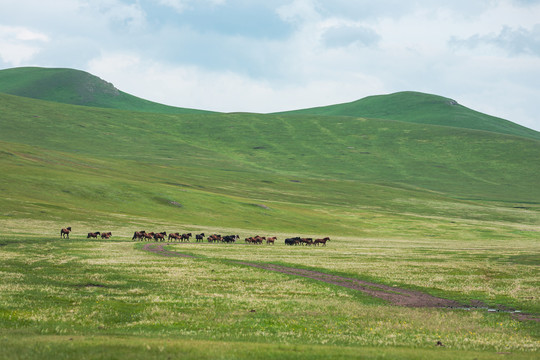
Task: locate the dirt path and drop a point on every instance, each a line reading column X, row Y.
column 394, row 295
column 160, row 249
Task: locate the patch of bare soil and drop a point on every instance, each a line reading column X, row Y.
column 393, row 294
column 159, row 249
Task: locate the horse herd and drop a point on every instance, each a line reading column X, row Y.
column 214, row 238
column 64, row 233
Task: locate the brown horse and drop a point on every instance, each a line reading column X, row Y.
column 321, row 241
column 148, row 236
column 65, row 232
column 138, row 235
column 106, row 235
column 93, row 235
column 271, row 240
column 214, row 238
column 160, row 236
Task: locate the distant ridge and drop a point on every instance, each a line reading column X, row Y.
column 416, row 107
column 77, row 87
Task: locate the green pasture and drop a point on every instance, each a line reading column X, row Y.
column 100, row 298
column 414, row 191
column 343, row 176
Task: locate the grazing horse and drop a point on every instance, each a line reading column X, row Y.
column 106, row 235
column 93, row 235
column 321, row 241
column 65, row 232
column 138, row 235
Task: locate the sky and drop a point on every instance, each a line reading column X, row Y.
column 276, row 55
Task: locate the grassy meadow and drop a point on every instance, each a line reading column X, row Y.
column 98, row 298
column 442, row 200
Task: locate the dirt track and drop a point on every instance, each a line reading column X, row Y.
column 394, row 295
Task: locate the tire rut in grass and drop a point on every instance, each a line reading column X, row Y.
column 393, row 294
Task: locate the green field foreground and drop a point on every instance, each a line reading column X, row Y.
column 414, row 190
column 82, row 298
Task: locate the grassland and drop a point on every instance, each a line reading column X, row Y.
column 430, row 205
column 79, row 297
column 415, row 107
column 78, row 88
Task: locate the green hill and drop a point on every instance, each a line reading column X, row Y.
column 76, row 87
column 421, row 108
column 449, row 212
column 410, row 162
column 290, row 173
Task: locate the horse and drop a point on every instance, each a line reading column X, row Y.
column 160, row 236
column 271, row 240
column 185, row 237
column 199, row 237
column 321, row 241
column 174, row 236
column 93, row 235
column 148, row 236
column 292, row 241
column 139, row 235
column 230, row 238
column 65, row 232
column 306, row 241
column 106, row 235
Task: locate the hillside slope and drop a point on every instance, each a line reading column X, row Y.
column 78, row 88
column 421, row 108
column 294, row 173
column 453, row 161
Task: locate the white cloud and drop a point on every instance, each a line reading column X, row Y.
column 116, row 13
column 212, row 54
column 298, row 11
column 514, row 41
column 195, row 87
column 19, row 44
column 182, row 5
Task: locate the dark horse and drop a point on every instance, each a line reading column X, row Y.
column 321, row 241
column 65, row 232
column 160, row 236
column 93, row 235
column 199, row 237
column 138, row 235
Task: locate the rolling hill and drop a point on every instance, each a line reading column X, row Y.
column 78, row 88
column 421, row 108
column 291, row 172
